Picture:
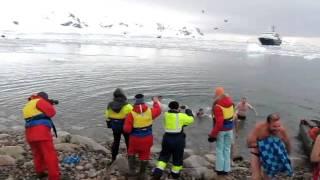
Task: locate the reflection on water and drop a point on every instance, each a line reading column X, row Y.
column 82, row 77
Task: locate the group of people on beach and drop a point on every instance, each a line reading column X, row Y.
column 268, row 142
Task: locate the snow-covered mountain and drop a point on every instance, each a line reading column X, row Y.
column 72, row 23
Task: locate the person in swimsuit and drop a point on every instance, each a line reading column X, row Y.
column 243, row 107
column 271, row 127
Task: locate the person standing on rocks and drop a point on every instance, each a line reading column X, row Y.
column 222, row 132
column 174, row 140
column 37, row 113
column 269, row 147
column 139, row 124
column 115, row 115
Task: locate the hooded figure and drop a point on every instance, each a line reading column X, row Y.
column 115, row 115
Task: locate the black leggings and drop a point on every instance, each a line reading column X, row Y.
column 116, row 142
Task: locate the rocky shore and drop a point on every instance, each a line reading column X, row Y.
column 16, row 160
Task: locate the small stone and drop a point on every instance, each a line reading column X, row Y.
column 80, row 168
column 28, row 164
column 92, row 173
column 88, row 166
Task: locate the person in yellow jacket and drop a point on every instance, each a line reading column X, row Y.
column 115, row 115
column 174, row 140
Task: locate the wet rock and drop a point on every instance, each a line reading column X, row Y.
column 66, row 147
column 211, row 158
column 3, row 136
column 63, row 137
column 88, row 166
column 195, row 161
column 92, row 173
column 90, row 143
column 197, row 173
column 188, row 153
column 28, row 164
column 120, row 164
column 6, row 160
column 210, row 175
column 13, row 151
column 298, row 161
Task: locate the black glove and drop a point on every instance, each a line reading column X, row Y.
column 109, row 124
column 211, row 139
column 188, row 112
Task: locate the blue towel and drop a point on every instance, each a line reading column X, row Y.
column 274, row 156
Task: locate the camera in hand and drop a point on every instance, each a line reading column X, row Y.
column 53, row 102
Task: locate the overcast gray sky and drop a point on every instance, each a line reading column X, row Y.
column 292, row 17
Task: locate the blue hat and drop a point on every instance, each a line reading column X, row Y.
column 139, row 99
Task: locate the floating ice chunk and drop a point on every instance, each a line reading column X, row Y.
column 256, row 48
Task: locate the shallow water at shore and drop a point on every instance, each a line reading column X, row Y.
column 82, row 76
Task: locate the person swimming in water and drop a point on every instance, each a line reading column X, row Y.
column 200, row 113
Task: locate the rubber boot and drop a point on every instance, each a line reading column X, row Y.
column 142, row 173
column 132, row 165
column 156, row 174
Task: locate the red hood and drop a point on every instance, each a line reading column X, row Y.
column 138, row 108
column 225, row 102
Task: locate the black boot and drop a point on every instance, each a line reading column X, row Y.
column 132, row 165
column 156, row 174
column 142, row 173
column 42, row 175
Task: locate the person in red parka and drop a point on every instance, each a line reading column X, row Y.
column 37, row 113
column 138, row 124
column 223, row 112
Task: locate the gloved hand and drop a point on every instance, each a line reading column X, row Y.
column 211, row 139
column 189, row 112
column 109, row 124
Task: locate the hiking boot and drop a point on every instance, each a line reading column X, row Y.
column 142, row 173
column 132, row 165
column 42, row 175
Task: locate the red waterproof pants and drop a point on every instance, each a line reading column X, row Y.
column 141, row 146
column 45, row 158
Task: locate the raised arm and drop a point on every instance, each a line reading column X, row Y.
column 156, row 109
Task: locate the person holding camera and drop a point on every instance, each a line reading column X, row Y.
column 37, row 113
column 115, row 115
column 139, row 124
column 174, row 140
